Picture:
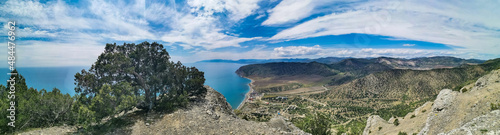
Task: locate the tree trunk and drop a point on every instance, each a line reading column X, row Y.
column 146, row 89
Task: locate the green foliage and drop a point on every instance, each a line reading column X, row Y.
column 412, row 116
column 483, row 131
column 131, row 75
column 318, row 124
column 396, row 122
column 494, row 106
column 402, row 133
column 54, row 108
column 379, row 128
column 35, row 109
column 148, row 72
column 400, row 110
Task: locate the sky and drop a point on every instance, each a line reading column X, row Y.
column 55, row 33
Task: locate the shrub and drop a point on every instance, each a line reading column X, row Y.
column 396, row 122
column 494, row 106
column 318, row 124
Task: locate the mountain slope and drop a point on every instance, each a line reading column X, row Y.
column 454, row 113
column 285, row 69
column 416, row 84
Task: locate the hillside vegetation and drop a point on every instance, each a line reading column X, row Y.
column 380, row 89
column 453, row 112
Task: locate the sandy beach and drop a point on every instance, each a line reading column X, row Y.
column 246, row 95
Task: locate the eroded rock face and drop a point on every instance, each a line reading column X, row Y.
column 372, row 122
column 215, row 104
column 486, row 124
column 444, row 100
column 441, row 111
column 452, row 113
column 457, row 113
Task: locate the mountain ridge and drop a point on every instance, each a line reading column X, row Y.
column 346, row 70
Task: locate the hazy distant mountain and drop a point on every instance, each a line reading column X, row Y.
column 344, row 71
column 425, row 63
column 422, row 62
column 326, row 60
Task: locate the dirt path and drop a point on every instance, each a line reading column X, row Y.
column 317, row 102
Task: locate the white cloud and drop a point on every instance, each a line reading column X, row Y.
column 238, row 9
column 52, row 54
column 62, row 26
column 467, row 24
column 290, row 11
column 202, row 28
column 408, row 45
column 317, row 51
column 258, row 52
column 294, row 51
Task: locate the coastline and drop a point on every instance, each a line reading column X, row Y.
column 247, row 95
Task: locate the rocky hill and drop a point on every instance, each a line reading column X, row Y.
column 276, row 76
column 474, row 111
column 210, row 116
column 426, row 63
column 412, row 84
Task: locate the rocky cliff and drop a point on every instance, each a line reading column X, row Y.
column 452, row 113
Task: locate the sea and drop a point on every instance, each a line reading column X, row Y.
column 220, row 76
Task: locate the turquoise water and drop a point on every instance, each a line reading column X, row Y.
column 47, row 78
column 219, row 76
column 222, row 78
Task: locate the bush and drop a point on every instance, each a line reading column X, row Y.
column 412, row 116
column 318, row 124
column 35, row 108
column 494, row 106
column 396, row 122
column 402, row 133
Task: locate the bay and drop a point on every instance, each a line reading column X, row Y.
column 222, row 77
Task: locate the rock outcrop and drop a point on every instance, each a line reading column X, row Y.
column 452, row 113
column 213, row 116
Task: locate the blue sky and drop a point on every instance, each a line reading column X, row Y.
column 73, row 33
